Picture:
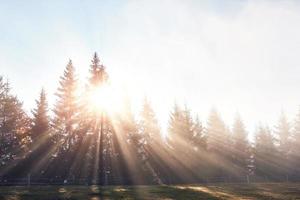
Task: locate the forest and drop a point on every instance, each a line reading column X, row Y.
column 80, row 142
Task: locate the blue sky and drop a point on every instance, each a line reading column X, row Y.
column 238, row 56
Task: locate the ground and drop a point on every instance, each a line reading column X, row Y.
column 217, row 191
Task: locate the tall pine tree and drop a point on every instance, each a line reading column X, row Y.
column 40, row 148
column 295, row 146
column 14, row 126
column 216, row 133
column 200, row 138
column 151, row 139
column 65, row 123
column 40, row 122
column 66, row 108
column 283, row 136
column 241, row 148
column 219, row 144
column 265, row 154
column 181, row 138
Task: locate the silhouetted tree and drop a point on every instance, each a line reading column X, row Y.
column 283, row 133
column 132, row 148
column 295, row 147
column 65, row 122
column 181, row 129
column 14, row 127
column 151, row 138
column 40, row 148
column 265, row 154
column 148, row 125
column 199, row 136
column 182, row 138
column 219, row 144
column 241, row 148
column 216, row 132
column 41, row 121
column 174, row 128
column 66, row 108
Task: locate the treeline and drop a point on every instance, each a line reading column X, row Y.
column 78, row 143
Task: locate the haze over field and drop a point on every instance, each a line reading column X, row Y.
column 240, row 56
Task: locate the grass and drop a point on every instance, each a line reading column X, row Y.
column 190, row 192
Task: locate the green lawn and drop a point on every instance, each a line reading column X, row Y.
column 189, row 192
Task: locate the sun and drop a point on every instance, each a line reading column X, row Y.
column 100, row 98
column 105, row 98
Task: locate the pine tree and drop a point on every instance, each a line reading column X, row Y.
column 175, row 126
column 66, row 108
column 265, row 154
column 295, row 146
column 97, row 71
column 105, row 149
column 151, row 139
column 241, row 147
column 219, row 145
column 133, row 146
column 217, row 133
column 98, row 77
column 14, row 126
column 181, row 129
column 296, row 132
column 283, row 133
column 149, row 126
column 41, row 122
column 188, row 126
column 41, row 145
column 129, row 123
column 181, row 138
column 66, row 137
column 200, row 138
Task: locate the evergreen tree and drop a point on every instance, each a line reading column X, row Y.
column 283, row 133
column 199, row 136
column 98, row 123
column 174, row 129
column 133, row 149
column 217, row 133
column 151, row 139
column 219, row 145
column 296, row 132
column 295, row 147
column 98, row 73
column 41, row 122
column 181, row 129
column 241, row 147
column 66, row 108
column 265, row 154
column 40, row 147
column 105, row 147
column 14, row 126
column 65, row 124
column 187, row 126
column 129, row 123
column 149, row 126
column 182, row 141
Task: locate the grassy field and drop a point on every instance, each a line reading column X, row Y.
column 189, row 192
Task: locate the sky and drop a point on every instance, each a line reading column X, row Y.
column 237, row 56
